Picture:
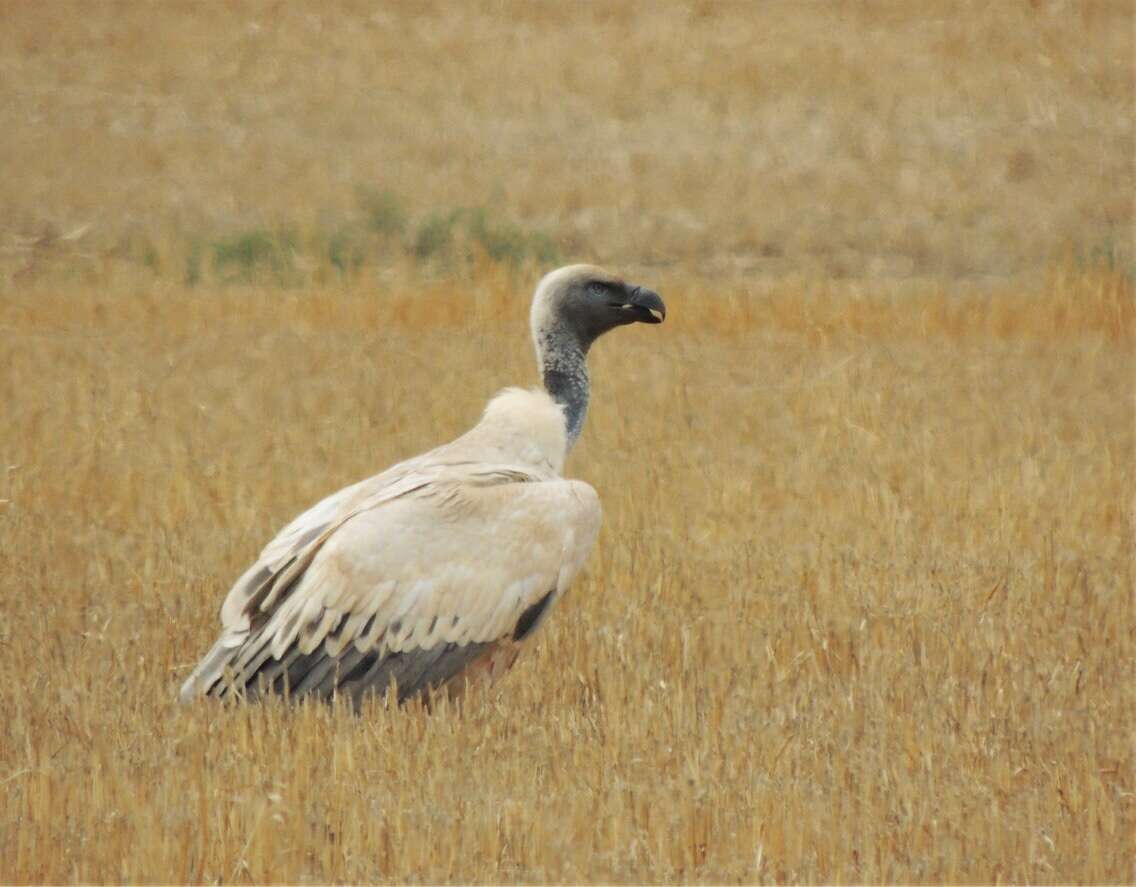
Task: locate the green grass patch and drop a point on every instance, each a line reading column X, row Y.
column 250, row 255
column 466, row 234
column 378, row 231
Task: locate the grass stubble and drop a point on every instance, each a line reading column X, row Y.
column 861, row 608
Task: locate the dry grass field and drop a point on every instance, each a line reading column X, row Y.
column 862, row 607
column 861, row 610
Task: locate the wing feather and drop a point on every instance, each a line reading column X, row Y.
column 409, row 581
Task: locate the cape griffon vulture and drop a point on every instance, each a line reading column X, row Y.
column 443, row 565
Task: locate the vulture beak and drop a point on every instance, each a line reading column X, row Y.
column 644, row 305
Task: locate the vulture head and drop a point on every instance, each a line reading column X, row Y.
column 579, row 303
column 573, row 307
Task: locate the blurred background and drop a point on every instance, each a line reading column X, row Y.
column 884, row 140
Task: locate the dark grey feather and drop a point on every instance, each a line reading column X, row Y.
column 530, row 619
column 353, row 674
column 415, row 672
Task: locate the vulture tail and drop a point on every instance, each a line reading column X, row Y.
column 210, row 669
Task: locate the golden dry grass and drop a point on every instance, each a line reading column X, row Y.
column 861, row 609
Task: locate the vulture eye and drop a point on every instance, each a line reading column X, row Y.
column 597, row 290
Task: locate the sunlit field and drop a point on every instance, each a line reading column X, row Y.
column 862, row 606
column 861, row 609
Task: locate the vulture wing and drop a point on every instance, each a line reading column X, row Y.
column 410, row 577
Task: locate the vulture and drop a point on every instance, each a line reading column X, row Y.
column 436, row 571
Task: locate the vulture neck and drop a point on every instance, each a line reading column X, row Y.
column 564, row 370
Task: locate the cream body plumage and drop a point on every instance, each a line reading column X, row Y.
column 442, row 565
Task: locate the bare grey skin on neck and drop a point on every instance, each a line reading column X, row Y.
column 564, row 370
column 573, row 307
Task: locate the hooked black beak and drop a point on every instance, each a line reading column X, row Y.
column 644, row 305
